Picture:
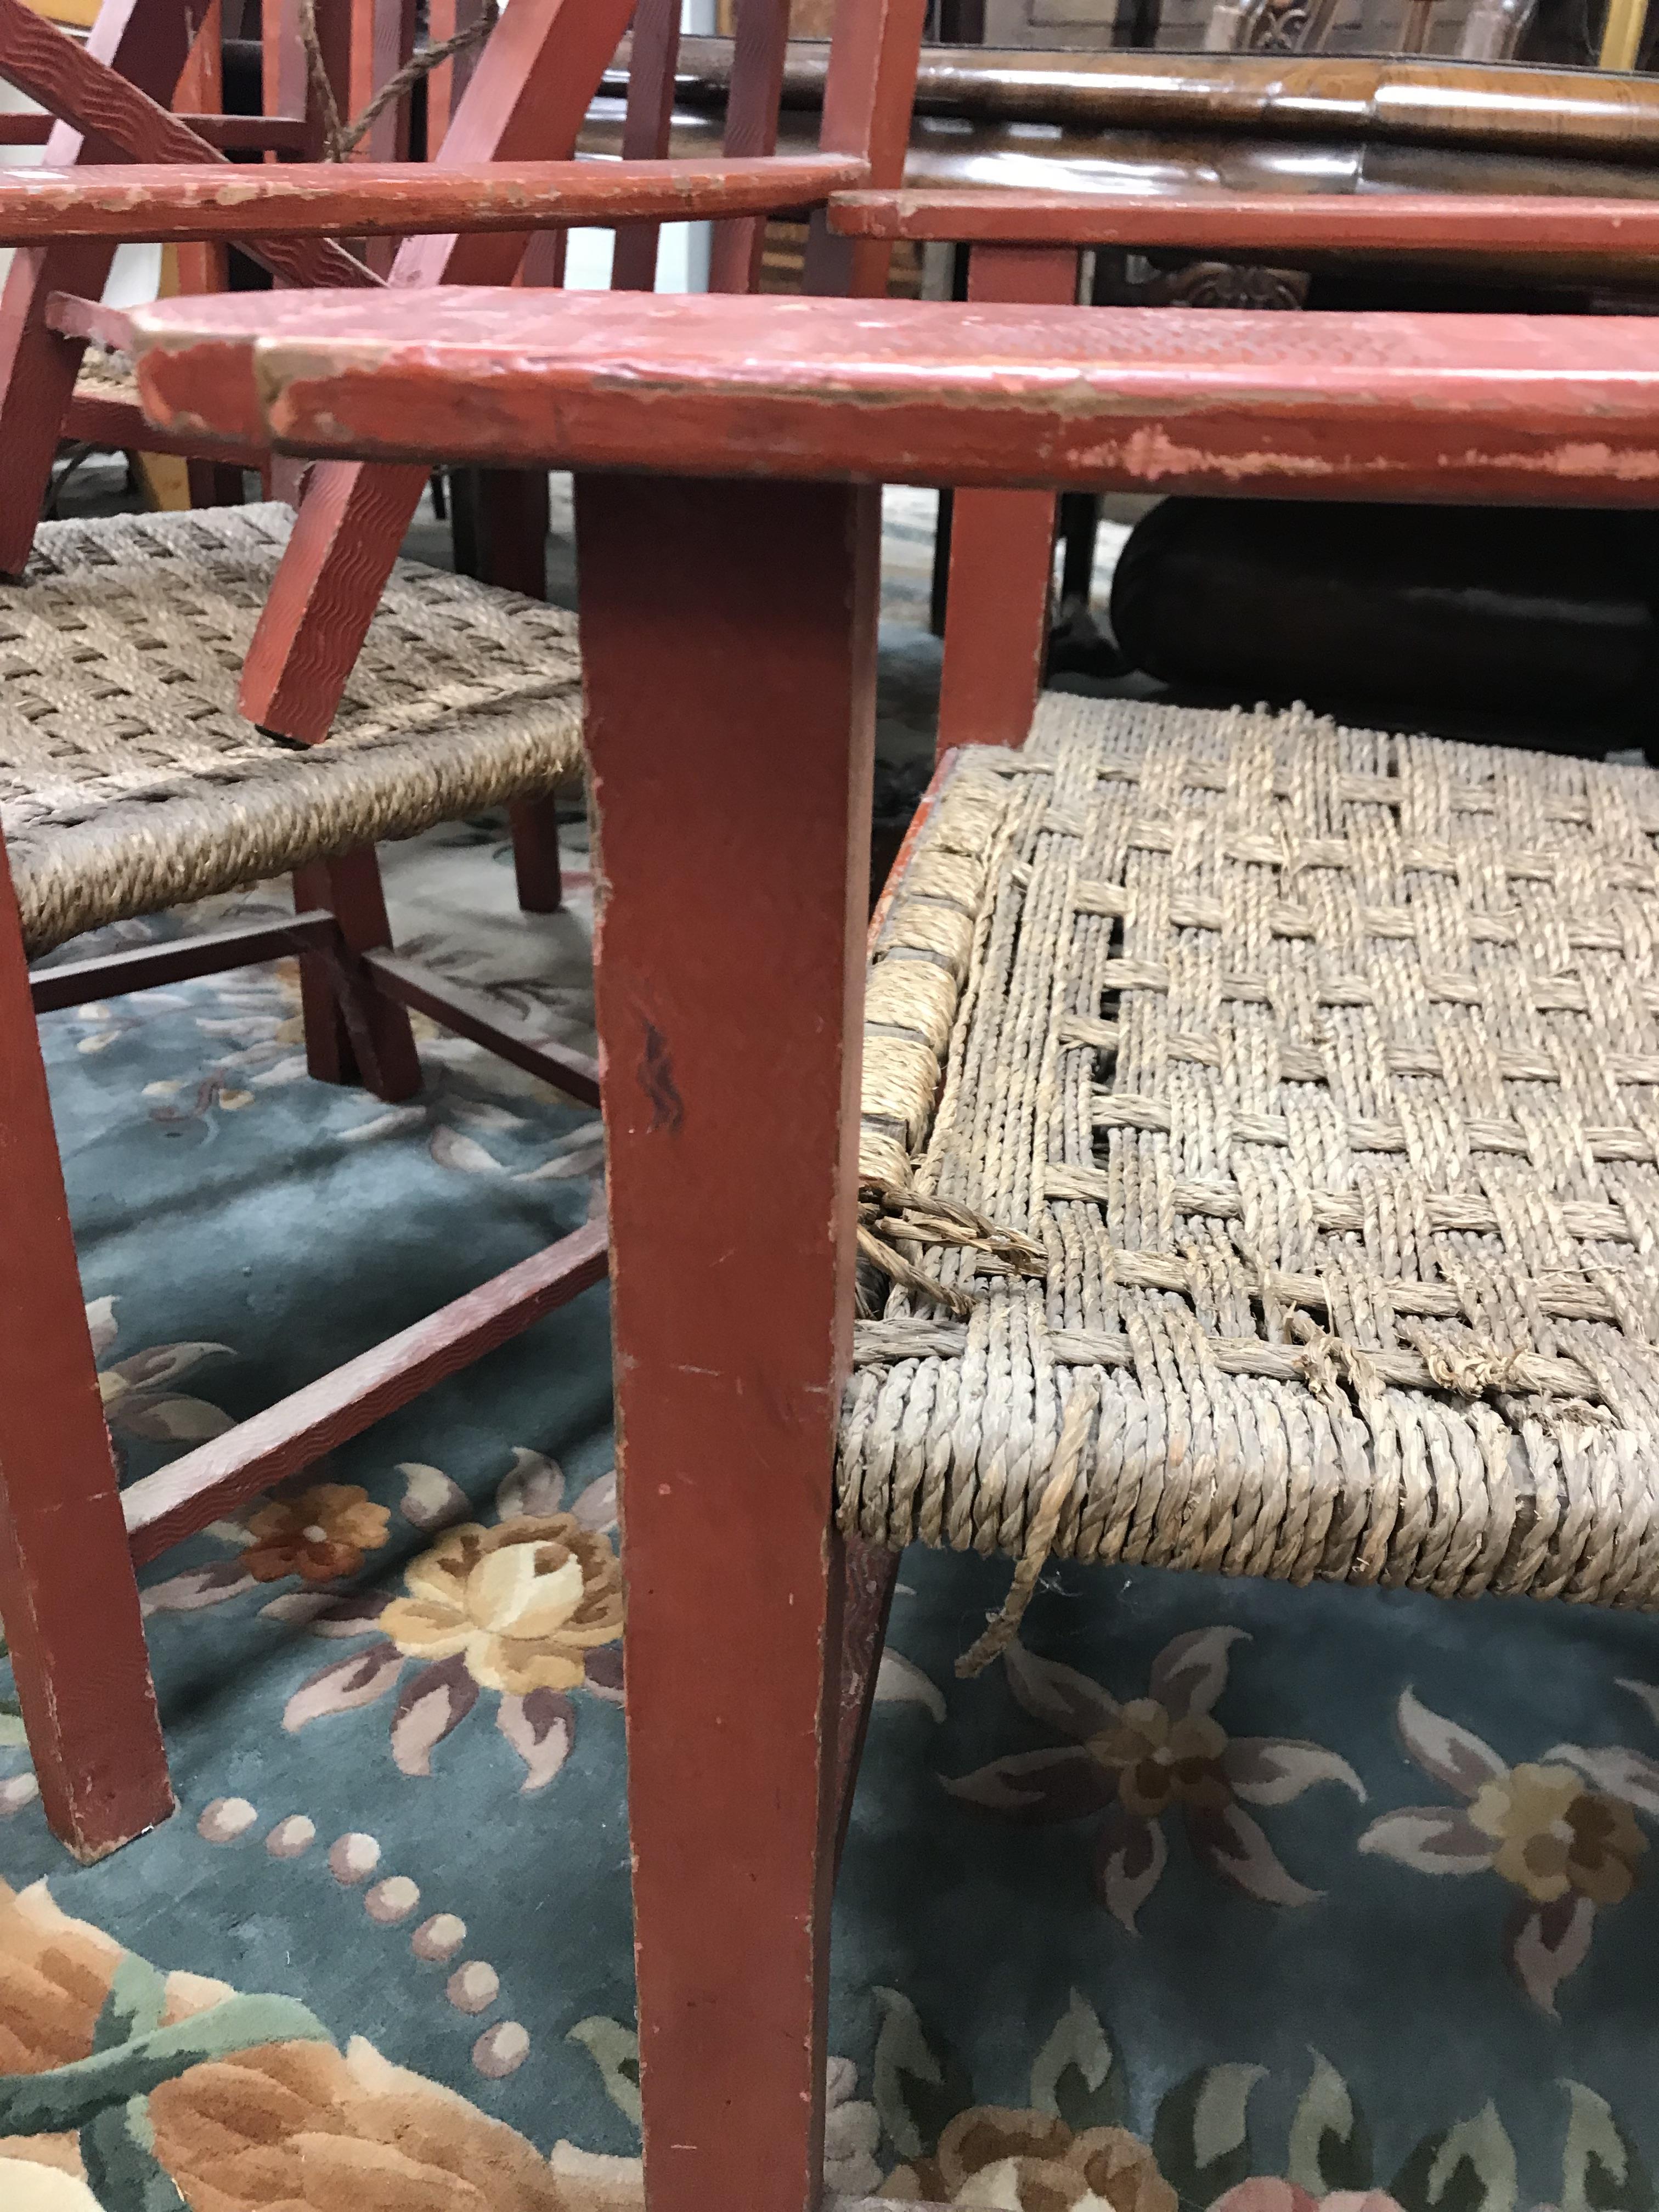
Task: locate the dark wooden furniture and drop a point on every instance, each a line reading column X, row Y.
column 1144, row 127
column 997, row 626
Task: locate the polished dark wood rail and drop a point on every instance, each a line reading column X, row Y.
column 182, row 200
column 1386, row 406
column 1555, row 110
column 1190, row 153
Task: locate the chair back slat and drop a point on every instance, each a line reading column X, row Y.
column 760, row 42
column 109, row 97
column 647, row 131
column 307, row 640
column 868, row 96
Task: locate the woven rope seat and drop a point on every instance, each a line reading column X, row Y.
column 107, row 375
column 129, row 782
column 1276, row 1109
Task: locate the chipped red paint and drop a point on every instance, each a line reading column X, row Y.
column 390, row 199
column 66, row 1587
column 1386, row 406
column 1383, row 223
column 83, row 86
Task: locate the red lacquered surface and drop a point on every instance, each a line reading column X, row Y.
column 996, row 626
column 194, row 200
column 1391, row 406
column 731, row 880
column 1382, row 222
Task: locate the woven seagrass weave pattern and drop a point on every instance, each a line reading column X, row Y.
column 1323, row 1068
column 107, row 375
column 128, row 780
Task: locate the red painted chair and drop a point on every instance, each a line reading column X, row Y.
column 356, row 516
column 1252, row 1168
column 179, row 800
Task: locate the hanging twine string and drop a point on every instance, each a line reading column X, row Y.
column 340, row 140
column 1039, row 1535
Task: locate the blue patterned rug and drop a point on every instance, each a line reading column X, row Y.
column 1214, row 1892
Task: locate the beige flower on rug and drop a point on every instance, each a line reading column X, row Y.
column 1162, row 1760
column 1554, row 1836
column 319, row 1535
column 523, row 1603
column 1567, row 1847
column 1028, row 2161
column 255, row 2107
column 530, row 1609
column 31, row 2187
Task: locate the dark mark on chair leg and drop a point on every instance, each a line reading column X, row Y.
column 657, row 1081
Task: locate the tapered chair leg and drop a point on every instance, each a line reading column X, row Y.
column 510, row 551
column 67, row 1599
column 354, row 1032
column 731, row 796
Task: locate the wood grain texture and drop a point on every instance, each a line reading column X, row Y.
column 112, row 88
column 284, row 73
column 1559, row 408
column 163, row 1508
column 730, row 919
column 146, row 41
column 525, row 99
column 1001, row 576
column 322, row 199
column 447, row 83
column 67, row 1594
column 101, row 419
column 870, row 1573
column 511, row 510
column 228, row 134
column 200, row 265
column 383, row 40
column 354, row 1032
column 121, row 122
column 538, row 872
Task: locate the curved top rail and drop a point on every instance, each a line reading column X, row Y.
column 168, row 201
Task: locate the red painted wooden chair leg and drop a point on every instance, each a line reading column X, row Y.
column 354, row 1032
column 67, row 1594
column 996, row 620
column 538, row 871
column 730, row 958
column 513, row 518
